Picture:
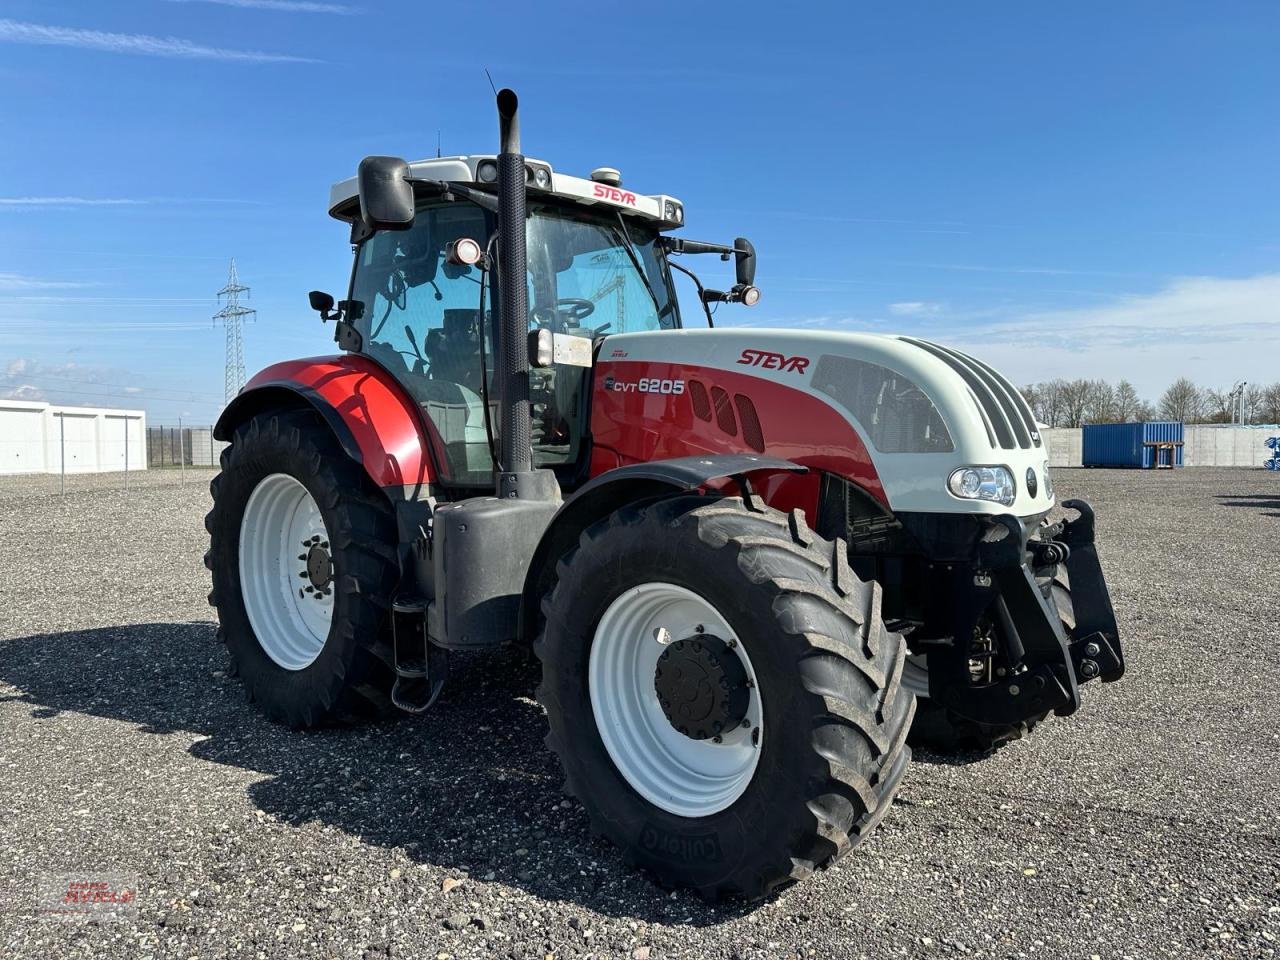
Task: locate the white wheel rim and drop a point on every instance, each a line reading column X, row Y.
column 687, row 777
column 280, row 524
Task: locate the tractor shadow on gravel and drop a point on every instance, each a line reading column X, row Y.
column 1257, row 501
column 468, row 786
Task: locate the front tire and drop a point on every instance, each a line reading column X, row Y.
column 303, row 563
column 757, row 788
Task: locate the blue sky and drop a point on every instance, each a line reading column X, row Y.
column 1083, row 189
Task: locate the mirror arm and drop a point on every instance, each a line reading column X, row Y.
column 447, row 188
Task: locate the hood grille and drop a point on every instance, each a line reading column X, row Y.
column 1008, row 418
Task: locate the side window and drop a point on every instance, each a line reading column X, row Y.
column 420, row 318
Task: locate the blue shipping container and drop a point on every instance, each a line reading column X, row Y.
column 1132, row 444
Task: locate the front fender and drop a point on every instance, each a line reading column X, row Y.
column 614, row 488
column 375, row 420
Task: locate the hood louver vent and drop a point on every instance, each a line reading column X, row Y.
column 1005, row 411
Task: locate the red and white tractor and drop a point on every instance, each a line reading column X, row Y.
column 743, row 556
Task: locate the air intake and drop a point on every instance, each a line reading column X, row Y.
column 751, row 432
column 701, row 402
column 724, row 411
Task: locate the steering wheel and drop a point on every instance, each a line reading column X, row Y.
column 575, row 309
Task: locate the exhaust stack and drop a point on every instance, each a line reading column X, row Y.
column 516, row 454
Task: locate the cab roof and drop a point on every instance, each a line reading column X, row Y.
column 480, row 171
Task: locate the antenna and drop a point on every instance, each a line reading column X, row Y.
column 232, row 315
column 437, row 144
column 491, row 83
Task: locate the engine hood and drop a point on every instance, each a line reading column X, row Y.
column 921, row 409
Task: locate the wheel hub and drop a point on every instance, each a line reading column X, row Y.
column 702, row 686
column 319, row 567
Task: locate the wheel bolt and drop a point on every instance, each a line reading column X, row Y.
column 746, row 723
column 717, row 739
column 1091, row 649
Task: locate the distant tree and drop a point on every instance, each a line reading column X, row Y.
column 1218, row 406
column 1075, row 400
column 1183, row 400
column 1144, row 412
column 1031, row 394
column 1269, row 406
column 1252, row 403
column 1101, row 406
column 1126, row 402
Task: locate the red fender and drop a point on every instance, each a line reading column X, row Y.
column 631, row 426
column 375, row 419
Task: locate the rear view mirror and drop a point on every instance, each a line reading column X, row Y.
column 744, row 262
column 386, row 195
column 321, row 302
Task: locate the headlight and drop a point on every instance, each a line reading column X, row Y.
column 541, row 178
column 487, row 171
column 983, row 483
column 672, row 212
column 1048, row 481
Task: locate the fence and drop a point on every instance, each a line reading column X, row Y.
column 158, row 456
column 182, row 447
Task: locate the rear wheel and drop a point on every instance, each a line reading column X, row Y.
column 303, row 567
column 939, row 728
column 722, row 694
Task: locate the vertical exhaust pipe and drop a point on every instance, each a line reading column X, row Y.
column 513, row 385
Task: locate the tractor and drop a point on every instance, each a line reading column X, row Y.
column 756, row 565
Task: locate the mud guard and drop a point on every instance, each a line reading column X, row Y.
column 608, row 491
column 377, row 423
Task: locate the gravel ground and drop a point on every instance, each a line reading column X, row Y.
column 1145, row 826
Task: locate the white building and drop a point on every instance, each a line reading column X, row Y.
column 35, row 437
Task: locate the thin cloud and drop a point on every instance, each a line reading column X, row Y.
column 915, row 308
column 18, row 281
column 1032, row 271
column 141, row 44
column 69, row 202
column 283, row 6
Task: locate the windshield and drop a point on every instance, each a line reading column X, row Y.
column 594, row 262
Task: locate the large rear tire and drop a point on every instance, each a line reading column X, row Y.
column 945, row 731
column 790, row 748
column 303, row 563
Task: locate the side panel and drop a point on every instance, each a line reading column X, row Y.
column 645, row 410
column 388, row 429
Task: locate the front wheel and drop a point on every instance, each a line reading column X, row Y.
column 300, row 548
column 722, row 694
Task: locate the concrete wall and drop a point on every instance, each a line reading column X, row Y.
column 1204, row 445
column 1066, row 446
column 37, row 437
column 1211, row 446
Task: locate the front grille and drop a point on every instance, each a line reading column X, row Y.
column 1009, row 421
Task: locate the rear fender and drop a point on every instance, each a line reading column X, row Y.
column 616, row 488
column 373, row 418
